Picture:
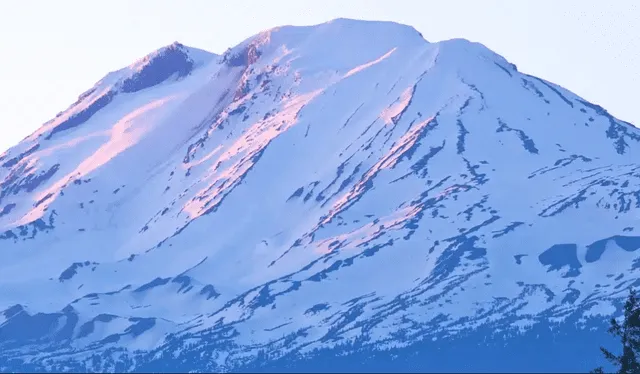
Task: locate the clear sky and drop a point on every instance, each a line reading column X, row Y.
column 53, row 50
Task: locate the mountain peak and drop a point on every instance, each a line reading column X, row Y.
column 362, row 25
column 174, row 61
column 159, row 65
column 340, row 42
column 196, row 55
column 239, row 208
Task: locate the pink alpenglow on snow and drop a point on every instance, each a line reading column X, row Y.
column 333, row 188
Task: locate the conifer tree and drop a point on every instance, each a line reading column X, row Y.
column 629, row 334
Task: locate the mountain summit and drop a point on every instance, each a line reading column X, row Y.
column 333, row 197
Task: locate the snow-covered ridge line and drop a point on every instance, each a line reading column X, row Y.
column 345, row 186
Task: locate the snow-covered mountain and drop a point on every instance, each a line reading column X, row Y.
column 345, row 196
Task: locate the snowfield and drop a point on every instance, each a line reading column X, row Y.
column 344, row 187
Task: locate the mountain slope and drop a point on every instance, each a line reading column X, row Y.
column 324, row 187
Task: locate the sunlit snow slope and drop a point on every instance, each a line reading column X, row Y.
column 314, row 188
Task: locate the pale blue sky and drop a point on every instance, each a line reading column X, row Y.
column 54, row 50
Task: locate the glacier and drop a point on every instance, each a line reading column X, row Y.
column 343, row 196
